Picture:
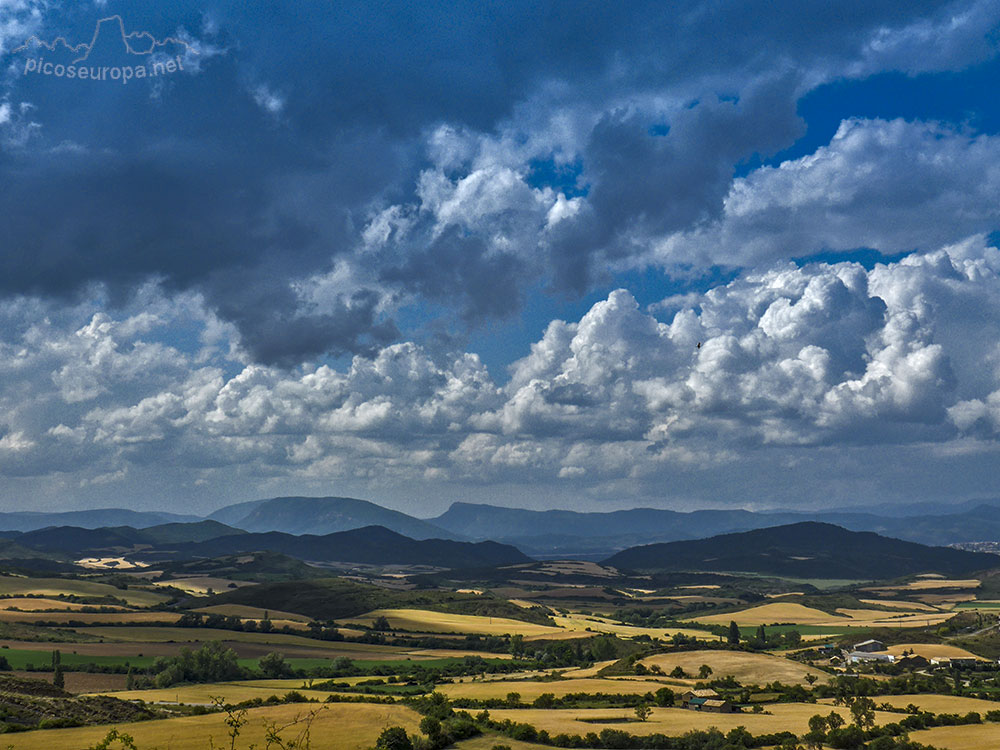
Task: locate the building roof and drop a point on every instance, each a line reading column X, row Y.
column 869, row 642
column 703, row 693
column 715, row 702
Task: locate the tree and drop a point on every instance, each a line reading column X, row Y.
column 664, row 697
column 863, row 711
column 517, row 644
column 811, row 679
column 642, row 711
column 761, row 634
column 545, row 700
column 274, row 666
column 704, row 671
column 57, row 677
column 817, row 732
column 393, row 738
column 835, row 720
column 734, row 633
column 381, row 623
column 513, row 699
column 678, row 672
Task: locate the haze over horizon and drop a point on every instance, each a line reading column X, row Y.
column 563, row 256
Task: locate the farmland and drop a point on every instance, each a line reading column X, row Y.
column 350, row 727
column 745, row 667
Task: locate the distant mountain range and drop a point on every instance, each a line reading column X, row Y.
column 543, row 534
column 803, row 550
column 555, row 533
column 90, row 519
column 371, row 545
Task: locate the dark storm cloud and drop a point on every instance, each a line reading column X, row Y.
column 258, row 166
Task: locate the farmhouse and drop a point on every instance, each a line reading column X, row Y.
column 707, row 700
column 869, row 646
column 864, row 657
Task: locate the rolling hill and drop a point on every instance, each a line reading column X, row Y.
column 371, row 545
column 804, row 550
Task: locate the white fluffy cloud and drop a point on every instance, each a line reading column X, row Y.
column 824, row 354
column 892, row 186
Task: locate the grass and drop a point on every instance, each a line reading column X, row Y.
column 978, row 605
column 34, row 604
column 584, row 623
column 202, row 585
column 932, row 650
column 426, row 621
column 969, row 737
column 90, row 618
column 529, row 690
column 232, row 692
column 951, row 704
column 745, row 667
column 342, row 726
column 798, row 614
column 793, row 717
column 17, row 586
column 251, row 613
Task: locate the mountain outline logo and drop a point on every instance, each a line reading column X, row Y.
column 110, row 43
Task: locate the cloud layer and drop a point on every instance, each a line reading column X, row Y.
column 817, row 356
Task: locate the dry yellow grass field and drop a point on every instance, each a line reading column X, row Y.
column 425, row 621
column 34, row 604
column 231, row 692
column 588, row 671
column 15, row 585
column 585, row 623
column 793, row 717
column 931, row 583
column 531, row 690
column 746, row 668
column 970, row 737
column 932, row 650
column 201, row 585
column 90, row 618
column 798, row 614
column 766, row 614
column 951, row 704
column 336, row 727
column 901, row 604
column 251, row 613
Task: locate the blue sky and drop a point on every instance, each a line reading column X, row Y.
column 549, row 254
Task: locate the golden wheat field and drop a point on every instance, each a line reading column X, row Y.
column 36, row 604
column 425, row 621
column 745, row 667
column 251, row 613
column 90, row 618
column 932, row 650
column 18, row 586
column 529, row 690
column 798, row 614
column 970, row 737
column 594, row 624
column 231, row 692
column 202, row 585
column 951, row 704
column 793, row 717
column 339, row 726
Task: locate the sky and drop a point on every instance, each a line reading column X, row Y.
column 580, row 255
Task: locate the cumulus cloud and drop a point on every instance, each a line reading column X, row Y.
column 892, row 186
column 816, row 355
